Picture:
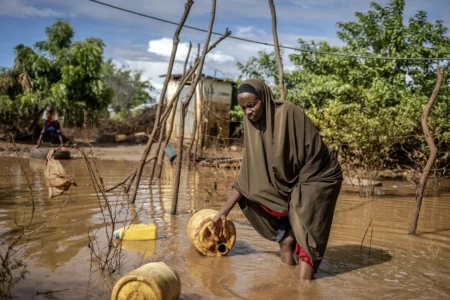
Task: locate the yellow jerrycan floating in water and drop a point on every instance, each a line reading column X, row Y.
column 153, row 281
column 201, row 234
column 136, row 232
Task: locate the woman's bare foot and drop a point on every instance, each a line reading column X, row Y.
column 305, row 271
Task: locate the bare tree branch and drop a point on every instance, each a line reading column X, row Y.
column 176, row 39
column 170, row 105
column 183, row 111
column 160, row 150
column 433, row 152
column 277, row 51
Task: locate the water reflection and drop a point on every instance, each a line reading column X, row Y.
column 145, row 248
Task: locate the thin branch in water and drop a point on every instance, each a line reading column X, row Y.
column 51, row 292
column 9, row 264
column 33, row 208
column 370, row 243
column 128, row 177
column 28, row 232
column 365, row 234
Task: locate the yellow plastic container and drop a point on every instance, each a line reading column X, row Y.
column 201, row 234
column 121, row 138
column 153, row 281
column 136, row 232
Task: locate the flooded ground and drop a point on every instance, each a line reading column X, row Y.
column 388, row 264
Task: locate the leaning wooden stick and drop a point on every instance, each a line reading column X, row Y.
column 169, row 107
column 198, row 123
column 277, row 51
column 164, row 136
column 198, row 97
column 128, row 177
column 183, row 111
column 165, row 115
column 433, row 152
column 176, row 39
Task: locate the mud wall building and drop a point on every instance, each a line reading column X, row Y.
column 210, row 106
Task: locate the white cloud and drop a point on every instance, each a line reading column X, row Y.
column 151, row 70
column 163, row 47
column 248, row 31
column 19, row 8
column 219, row 57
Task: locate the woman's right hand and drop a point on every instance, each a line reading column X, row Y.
column 220, row 225
column 220, row 219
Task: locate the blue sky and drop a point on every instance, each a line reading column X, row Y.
column 143, row 44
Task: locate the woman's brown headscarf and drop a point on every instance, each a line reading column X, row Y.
column 287, row 167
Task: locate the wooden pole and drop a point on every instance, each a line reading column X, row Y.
column 169, row 106
column 277, row 51
column 208, row 116
column 176, row 39
column 433, row 152
column 199, row 124
column 183, row 110
column 160, row 150
column 194, row 125
column 184, row 80
column 174, row 100
column 190, row 73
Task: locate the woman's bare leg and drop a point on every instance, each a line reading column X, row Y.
column 287, row 246
column 305, row 271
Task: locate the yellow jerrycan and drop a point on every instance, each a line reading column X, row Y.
column 136, row 232
column 121, row 138
column 202, row 236
column 153, row 281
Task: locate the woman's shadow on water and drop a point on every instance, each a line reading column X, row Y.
column 347, row 258
column 338, row 259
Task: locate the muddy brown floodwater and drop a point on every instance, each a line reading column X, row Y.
column 389, row 265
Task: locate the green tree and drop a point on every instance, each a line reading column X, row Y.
column 128, row 87
column 367, row 108
column 263, row 67
column 56, row 71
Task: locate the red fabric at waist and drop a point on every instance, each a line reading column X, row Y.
column 274, row 213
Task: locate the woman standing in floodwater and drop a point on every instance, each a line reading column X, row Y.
column 289, row 181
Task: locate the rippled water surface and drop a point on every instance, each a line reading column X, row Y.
column 388, row 264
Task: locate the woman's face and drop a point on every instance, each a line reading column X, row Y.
column 251, row 105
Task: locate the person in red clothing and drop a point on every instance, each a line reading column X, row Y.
column 289, row 180
column 51, row 124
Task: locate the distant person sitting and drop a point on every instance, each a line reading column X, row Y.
column 51, row 125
